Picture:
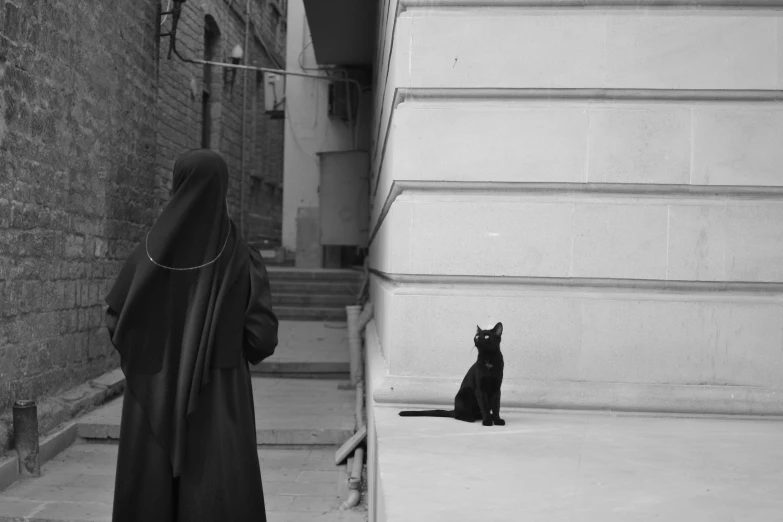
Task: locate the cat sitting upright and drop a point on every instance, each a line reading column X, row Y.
column 479, row 394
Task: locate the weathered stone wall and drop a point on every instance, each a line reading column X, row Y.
column 77, row 152
column 92, row 117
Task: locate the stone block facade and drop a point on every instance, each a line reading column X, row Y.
column 604, row 179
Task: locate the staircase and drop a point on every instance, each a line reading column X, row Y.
column 310, row 305
column 313, row 295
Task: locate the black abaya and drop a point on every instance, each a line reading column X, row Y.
column 188, row 441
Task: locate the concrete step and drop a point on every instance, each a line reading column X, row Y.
column 315, row 370
column 286, row 286
column 278, row 273
column 269, row 262
column 288, row 412
column 309, row 349
column 312, row 300
column 303, row 313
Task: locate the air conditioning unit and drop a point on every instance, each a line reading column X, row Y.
column 343, row 101
column 274, row 94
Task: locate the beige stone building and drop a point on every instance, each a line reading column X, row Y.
column 605, row 177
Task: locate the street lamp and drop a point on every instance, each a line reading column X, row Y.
column 230, row 74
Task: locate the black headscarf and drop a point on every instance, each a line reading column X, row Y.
column 173, row 327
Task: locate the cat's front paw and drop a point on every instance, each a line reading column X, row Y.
column 486, row 422
column 500, row 422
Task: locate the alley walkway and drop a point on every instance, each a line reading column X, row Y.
column 300, row 485
column 288, row 411
column 301, row 420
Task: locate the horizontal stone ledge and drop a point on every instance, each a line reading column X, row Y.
column 689, row 399
column 414, row 94
column 757, row 289
column 631, row 189
column 469, row 95
column 399, row 94
column 625, row 189
column 640, row 4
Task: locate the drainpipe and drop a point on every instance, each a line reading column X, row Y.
column 357, row 320
column 356, row 323
column 359, row 405
column 244, row 124
column 355, row 480
column 354, row 342
column 351, row 121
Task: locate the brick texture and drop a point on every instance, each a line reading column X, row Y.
column 92, row 117
column 77, row 153
column 180, row 104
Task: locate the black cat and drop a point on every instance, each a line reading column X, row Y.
column 479, row 394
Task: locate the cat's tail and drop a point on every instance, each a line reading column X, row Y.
column 427, row 413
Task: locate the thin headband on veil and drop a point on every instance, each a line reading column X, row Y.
column 147, row 251
column 191, row 230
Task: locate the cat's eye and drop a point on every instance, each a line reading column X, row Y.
column 486, row 337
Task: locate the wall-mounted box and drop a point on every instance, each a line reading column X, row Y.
column 274, row 94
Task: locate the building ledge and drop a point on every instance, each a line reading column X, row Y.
column 549, row 465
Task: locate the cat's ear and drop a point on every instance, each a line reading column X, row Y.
column 498, row 329
column 478, row 328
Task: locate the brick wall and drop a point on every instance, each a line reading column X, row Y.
column 266, row 200
column 180, row 106
column 92, row 117
column 77, row 151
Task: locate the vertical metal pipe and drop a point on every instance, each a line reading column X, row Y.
column 359, row 411
column 244, row 124
column 26, row 437
column 355, row 480
column 352, row 123
column 354, row 342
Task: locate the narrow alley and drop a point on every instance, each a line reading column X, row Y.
column 558, row 220
column 303, row 415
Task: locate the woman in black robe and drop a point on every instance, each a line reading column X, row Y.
column 188, row 311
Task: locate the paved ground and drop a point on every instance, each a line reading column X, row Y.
column 300, row 485
column 300, row 423
column 288, row 411
column 309, row 346
column 567, row 466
